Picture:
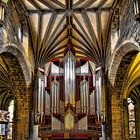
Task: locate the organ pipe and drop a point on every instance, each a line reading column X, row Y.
column 69, row 80
column 74, row 78
column 92, row 102
column 47, row 103
column 81, row 97
column 58, row 104
column 100, row 95
column 84, row 90
column 39, row 95
column 87, row 96
column 42, row 103
column 55, row 96
column 52, row 97
column 84, row 96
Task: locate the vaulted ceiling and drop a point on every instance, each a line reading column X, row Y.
column 56, row 24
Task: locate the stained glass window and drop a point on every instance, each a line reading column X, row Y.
column 10, row 124
column 131, row 114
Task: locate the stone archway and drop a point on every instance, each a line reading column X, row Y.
column 135, row 95
column 14, row 81
column 123, row 58
column 133, row 92
column 117, row 56
column 21, row 57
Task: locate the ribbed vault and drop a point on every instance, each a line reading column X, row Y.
column 135, row 94
column 56, row 24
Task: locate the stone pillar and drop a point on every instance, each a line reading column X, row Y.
column 31, row 111
column 21, row 120
column 22, row 124
column 35, row 93
column 116, row 111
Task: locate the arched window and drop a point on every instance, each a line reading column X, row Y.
column 131, row 114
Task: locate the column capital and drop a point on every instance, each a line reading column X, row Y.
column 99, row 72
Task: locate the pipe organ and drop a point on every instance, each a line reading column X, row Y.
column 69, row 72
column 84, row 96
column 41, row 95
column 55, row 96
column 67, row 99
column 100, row 95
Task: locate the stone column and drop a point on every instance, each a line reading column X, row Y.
column 22, row 121
column 35, row 93
column 116, row 112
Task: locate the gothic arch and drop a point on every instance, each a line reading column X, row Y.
column 13, row 82
column 118, row 74
column 19, row 54
column 117, row 56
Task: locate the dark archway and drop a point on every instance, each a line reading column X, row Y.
column 13, row 86
column 118, row 107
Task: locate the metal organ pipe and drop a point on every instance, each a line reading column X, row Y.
column 47, row 95
column 52, row 97
column 73, row 66
column 84, row 96
column 42, row 96
column 39, row 94
column 47, row 103
column 57, row 103
column 55, row 96
column 81, row 97
column 84, row 89
column 42, row 100
column 97, row 100
column 97, row 97
column 66, row 78
column 93, row 99
column 100, row 95
column 69, row 81
column 68, row 85
column 73, row 83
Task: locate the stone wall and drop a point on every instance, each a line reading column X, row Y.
column 116, row 103
column 15, row 73
column 118, row 65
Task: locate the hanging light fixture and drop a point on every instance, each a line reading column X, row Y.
column 2, row 11
column 137, row 9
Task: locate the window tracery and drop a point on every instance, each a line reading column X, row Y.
column 131, row 114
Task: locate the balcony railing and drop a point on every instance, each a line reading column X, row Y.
column 45, row 132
